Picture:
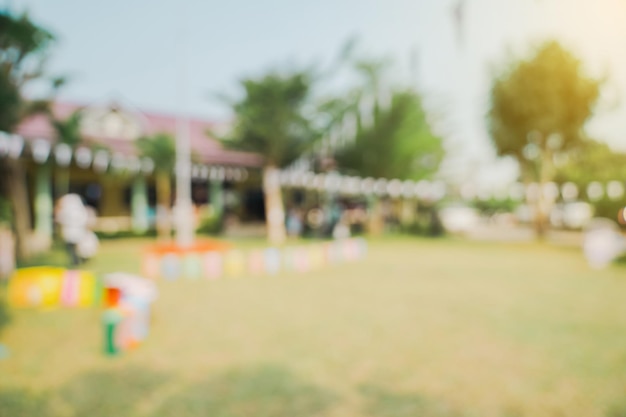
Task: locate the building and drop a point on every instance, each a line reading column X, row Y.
column 106, row 169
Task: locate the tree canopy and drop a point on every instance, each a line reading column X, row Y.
column 392, row 136
column 398, row 143
column 23, row 48
column 68, row 130
column 274, row 117
column 538, row 110
column 592, row 161
column 539, row 107
column 161, row 148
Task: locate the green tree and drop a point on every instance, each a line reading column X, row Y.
column 595, row 161
column 538, row 110
column 161, row 148
column 399, row 143
column 392, row 139
column 274, row 118
column 23, row 52
column 592, row 161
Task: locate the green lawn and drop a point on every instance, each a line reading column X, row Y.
column 419, row 328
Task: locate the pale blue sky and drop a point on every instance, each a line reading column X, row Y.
column 130, row 49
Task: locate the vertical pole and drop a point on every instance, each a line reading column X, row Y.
column 184, row 209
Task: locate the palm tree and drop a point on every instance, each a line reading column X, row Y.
column 23, row 47
column 392, row 138
column 161, row 148
column 274, row 119
column 67, row 132
column 398, row 143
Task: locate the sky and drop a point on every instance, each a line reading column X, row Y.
column 136, row 51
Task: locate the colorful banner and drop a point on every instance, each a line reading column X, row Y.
column 234, row 264
column 256, row 263
column 215, row 263
column 192, row 266
column 50, row 287
column 150, row 265
column 170, row 266
column 272, row 261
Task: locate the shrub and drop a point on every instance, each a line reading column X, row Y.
column 5, row 318
column 211, row 223
column 6, row 214
column 428, row 223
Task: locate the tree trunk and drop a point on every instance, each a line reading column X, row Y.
column 17, row 190
column 44, row 206
column 7, row 256
column 274, row 211
column 407, row 213
column 542, row 203
column 376, row 222
column 163, row 212
column 62, row 181
column 139, row 205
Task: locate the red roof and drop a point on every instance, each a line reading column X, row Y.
column 207, row 149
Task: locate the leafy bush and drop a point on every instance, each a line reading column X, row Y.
column 608, row 208
column 5, row 318
column 493, row 206
column 621, row 260
column 125, row 234
column 428, row 223
column 211, row 223
column 6, row 214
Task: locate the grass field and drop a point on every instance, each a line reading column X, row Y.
column 419, row 328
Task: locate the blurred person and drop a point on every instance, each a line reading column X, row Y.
column 92, row 216
column 315, row 219
column 358, row 219
column 73, row 219
column 387, row 213
column 88, row 244
column 342, row 228
column 602, row 243
column 294, row 222
column 334, row 213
